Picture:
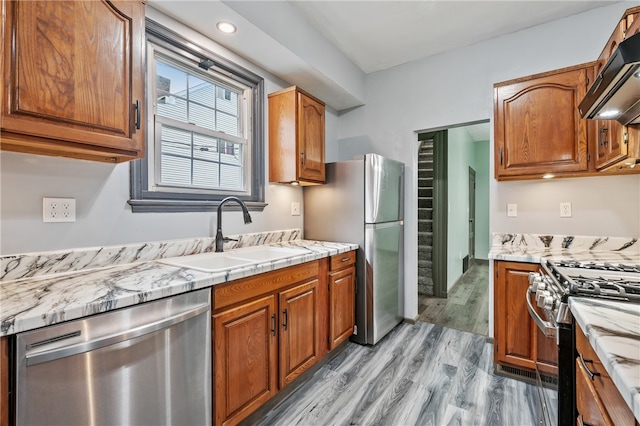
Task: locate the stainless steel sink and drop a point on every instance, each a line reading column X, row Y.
column 216, row 262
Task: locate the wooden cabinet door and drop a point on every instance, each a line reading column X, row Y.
column 310, row 139
column 299, row 323
column 514, row 332
column 5, row 366
column 341, row 305
column 538, row 129
column 518, row 341
column 296, row 137
column 612, row 142
column 73, row 78
column 245, row 359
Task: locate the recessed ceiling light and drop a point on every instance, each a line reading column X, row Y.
column 226, row 27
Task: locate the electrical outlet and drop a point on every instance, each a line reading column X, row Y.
column 295, row 208
column 565, row 209
column 512, row 210
column 58, row 209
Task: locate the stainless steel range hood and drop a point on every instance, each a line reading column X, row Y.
column 615, row 94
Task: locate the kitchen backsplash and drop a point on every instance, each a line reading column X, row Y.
column 565, row 242
column 29, row 265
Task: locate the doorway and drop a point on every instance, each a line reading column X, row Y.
column 472, row 221
column 456, row 293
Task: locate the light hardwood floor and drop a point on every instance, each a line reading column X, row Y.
column 466, row 308
column 420, row 374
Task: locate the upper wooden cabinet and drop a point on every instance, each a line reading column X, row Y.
column 296, row 137
column 538, row 129
column 614, row 143
column 74, row 79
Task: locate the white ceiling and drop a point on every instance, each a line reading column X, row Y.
column 377, row 35
column 327, row 46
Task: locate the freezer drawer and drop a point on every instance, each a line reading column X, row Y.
column 380, row 289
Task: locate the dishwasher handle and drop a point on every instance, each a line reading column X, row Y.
column 111, row 339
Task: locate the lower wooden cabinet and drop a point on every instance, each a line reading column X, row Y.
column 4, row 381
column 598, row 400
column 245, row 359
column 342, row 291
column 270, row 328
column 298, row 310
column 517, row 340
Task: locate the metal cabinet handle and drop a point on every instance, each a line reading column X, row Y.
column 285, row 323
column 546, row 327
column 101, row 342
column 138, row 114
column 590, row 373
column 302, row 156
column 273, row 324
column 345, row 259
column 500, row 155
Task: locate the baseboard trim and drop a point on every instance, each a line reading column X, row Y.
column 411, row 321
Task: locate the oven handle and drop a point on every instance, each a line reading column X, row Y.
column 546, row 327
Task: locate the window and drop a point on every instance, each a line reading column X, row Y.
column 204, row 130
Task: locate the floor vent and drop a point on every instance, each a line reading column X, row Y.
column 528, row 376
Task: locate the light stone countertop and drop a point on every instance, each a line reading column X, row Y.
column 613, row 328
column 38, row 300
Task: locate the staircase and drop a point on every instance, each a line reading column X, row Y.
column 425, row 218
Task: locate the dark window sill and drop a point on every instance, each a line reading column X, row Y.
column 180, row 206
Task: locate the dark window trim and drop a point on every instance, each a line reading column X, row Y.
column 144, row 201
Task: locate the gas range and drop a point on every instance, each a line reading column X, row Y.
column 550, row 289
column 557, row 280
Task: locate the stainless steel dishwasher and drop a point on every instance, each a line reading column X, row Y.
column 145, row 365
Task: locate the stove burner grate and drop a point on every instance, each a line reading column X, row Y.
column 604, row 266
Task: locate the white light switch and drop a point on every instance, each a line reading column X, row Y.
column 295, row 208
column 512, row 210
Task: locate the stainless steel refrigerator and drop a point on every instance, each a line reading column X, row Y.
column 362, row 202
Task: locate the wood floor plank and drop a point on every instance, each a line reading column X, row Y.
column 466, row 308
column 420, row 374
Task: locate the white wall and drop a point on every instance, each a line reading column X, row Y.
column 102, row 190
column 457, row 87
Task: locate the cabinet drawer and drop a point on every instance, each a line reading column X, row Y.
column 589, row 405
column 225, row 295
column 343, row 260
column 611, row 400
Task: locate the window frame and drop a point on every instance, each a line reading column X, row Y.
column 142, row 198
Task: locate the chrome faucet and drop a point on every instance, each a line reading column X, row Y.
column 247, row 219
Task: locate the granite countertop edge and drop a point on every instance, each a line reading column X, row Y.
column 30, row 303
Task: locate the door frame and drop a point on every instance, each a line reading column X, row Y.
column 472, row 216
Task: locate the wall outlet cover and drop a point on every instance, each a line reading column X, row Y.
column 58, row 209
column 512, row 210
column 565, row 209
